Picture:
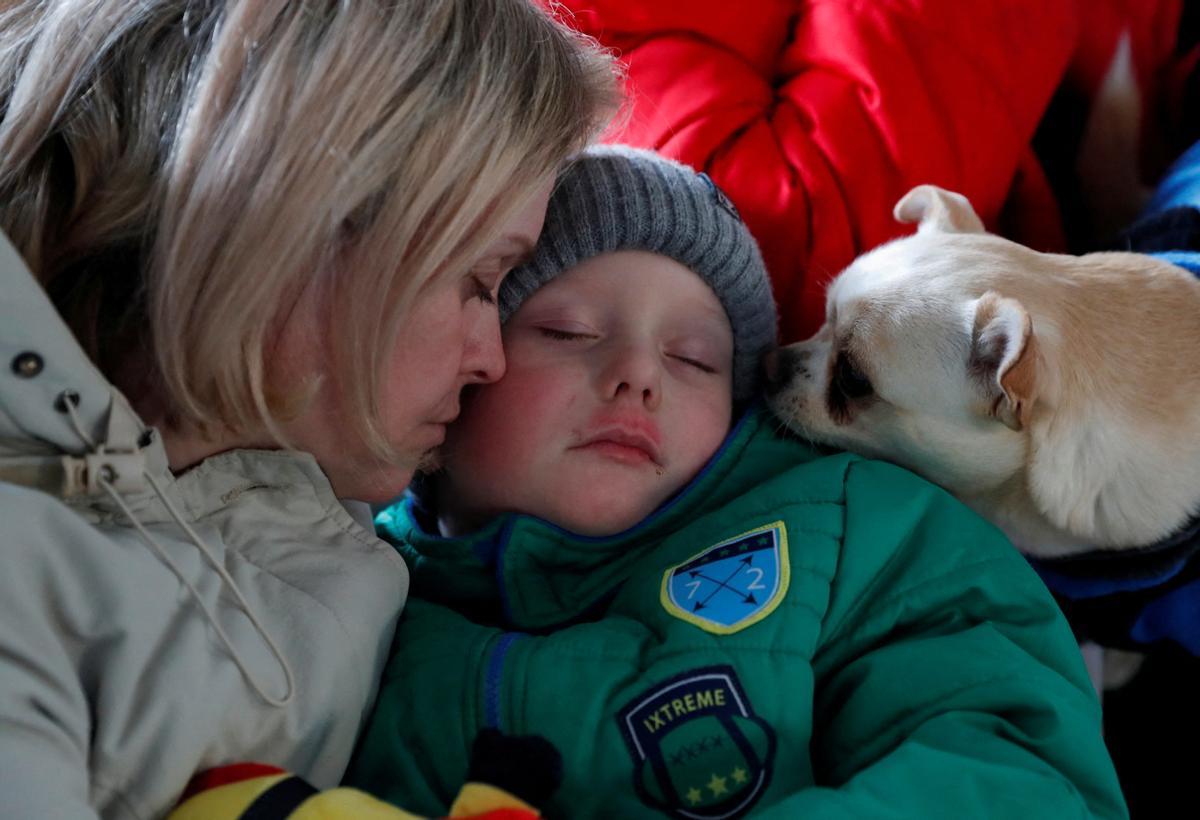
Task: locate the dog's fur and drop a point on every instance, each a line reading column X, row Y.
column 1057, row 395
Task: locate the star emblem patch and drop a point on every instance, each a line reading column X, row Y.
column 699, row 751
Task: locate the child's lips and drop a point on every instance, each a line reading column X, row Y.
column 621, row 453
column 624, row 446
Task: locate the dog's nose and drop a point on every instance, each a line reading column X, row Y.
column 780, row 365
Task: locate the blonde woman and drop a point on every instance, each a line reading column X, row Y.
column 277, row 228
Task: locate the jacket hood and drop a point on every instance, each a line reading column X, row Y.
column 44, row 368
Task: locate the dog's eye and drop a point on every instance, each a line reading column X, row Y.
column 849, row 379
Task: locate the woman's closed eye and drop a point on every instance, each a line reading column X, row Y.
column 482, row 282
column 482, row 292
column 486, row 276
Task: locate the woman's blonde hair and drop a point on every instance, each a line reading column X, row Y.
column 190, row 166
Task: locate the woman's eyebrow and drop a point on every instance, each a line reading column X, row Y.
column 521, row 250
column 521, row 256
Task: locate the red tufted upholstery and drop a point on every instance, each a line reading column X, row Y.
column 817, row 115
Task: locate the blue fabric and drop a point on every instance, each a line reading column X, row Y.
column 1174, row 617
column 1085, row 587
column 1189, row 260
column 1180, row 186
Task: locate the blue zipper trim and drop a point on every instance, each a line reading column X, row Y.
column 492, row 683
column 491, row 552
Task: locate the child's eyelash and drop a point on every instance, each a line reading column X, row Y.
column 555, row 333
column 566, row 336
column 697, row 364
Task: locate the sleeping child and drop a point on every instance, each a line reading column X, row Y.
column 706, row 617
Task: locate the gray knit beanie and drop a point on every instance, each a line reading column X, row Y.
column 615, row 198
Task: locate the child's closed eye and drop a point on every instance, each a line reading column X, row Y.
column 697, row 363
column 563, row 335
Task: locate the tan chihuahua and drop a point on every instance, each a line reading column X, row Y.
column 1059, row 396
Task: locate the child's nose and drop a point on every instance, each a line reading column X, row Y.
column 634, row 372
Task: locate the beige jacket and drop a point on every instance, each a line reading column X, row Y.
column 128, row 659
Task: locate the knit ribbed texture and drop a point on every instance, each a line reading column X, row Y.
column 615, row 198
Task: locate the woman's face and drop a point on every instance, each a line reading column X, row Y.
column 451, row 338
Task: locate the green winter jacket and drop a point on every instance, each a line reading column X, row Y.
column 795, row 635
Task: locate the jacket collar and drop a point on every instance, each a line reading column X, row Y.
column 45, row 445
column 42, row 361
column 61, row 423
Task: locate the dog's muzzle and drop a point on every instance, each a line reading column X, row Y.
column 782, row 365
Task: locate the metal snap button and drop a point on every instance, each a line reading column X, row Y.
column 64, row 398
column 28, row 364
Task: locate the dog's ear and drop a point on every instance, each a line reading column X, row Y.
column 936, row 209
column 1005, row 358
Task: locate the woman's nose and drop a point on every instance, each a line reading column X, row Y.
column 483, row 353
column 634, row 372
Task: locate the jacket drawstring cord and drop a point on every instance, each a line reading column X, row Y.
column 226, row 578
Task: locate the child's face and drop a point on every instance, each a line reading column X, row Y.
column 618, row 390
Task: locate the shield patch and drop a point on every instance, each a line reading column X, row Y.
column 699, row 750
column 731, row 585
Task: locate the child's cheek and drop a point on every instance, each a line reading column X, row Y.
column 707, row 420
column 517, row 420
